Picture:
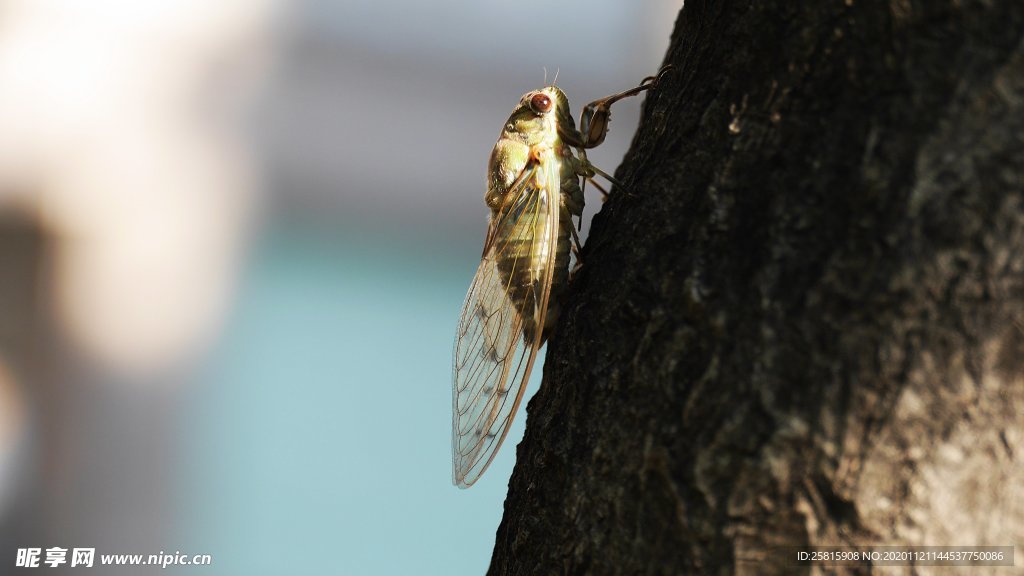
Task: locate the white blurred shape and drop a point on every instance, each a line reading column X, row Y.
column 112, row 132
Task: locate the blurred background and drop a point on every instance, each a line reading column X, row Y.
column 235, row 238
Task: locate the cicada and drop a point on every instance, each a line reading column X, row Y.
column 534, row 191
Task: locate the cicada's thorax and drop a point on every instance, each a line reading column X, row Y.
column 527, row 245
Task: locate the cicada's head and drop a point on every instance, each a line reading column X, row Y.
column 536, row 116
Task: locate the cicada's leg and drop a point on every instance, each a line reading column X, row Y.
column 587, row 171
column 605, row 175
column 597, row 114
column 604, row 193
column 577, row 250
column 576, row 246
column 572, row 207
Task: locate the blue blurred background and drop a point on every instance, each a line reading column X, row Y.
column 234, row 241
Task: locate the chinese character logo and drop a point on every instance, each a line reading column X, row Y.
column 82, row 557
column 28, row 557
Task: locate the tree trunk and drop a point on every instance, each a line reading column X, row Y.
column 803, row 324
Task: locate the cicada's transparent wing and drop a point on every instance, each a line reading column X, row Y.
column 502, row 322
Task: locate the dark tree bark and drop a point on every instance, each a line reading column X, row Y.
column 804, row 324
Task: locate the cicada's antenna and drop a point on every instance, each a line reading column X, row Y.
column 545, row 68
column 555, row 81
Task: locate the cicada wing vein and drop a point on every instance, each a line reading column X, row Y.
column 498, row 340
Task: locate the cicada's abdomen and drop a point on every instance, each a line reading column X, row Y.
column 524, row 258
column 563, row 244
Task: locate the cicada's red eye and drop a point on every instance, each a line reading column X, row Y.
column 540, row 103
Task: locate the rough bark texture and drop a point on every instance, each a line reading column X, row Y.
column 805, row 324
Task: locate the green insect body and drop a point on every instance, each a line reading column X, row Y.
column 528, row 137
column 533, row 192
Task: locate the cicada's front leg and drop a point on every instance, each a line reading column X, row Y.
column 597, row 114
column 594, row 127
